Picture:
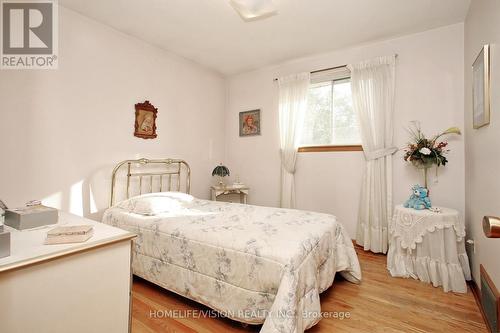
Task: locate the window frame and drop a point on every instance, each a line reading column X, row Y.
column 331, row 148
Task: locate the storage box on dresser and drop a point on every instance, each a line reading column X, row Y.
column 30, row 217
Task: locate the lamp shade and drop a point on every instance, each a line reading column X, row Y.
column 221, row 171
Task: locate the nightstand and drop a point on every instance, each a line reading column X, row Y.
column 230, row 193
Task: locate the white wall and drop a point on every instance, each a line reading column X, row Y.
column 61, row 131
column 429, row 88
column 482, row 186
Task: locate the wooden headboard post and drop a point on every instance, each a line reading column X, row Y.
column 172, row 167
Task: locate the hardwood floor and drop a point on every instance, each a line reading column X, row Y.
column 379, row 304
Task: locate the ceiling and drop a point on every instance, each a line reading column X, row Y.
column 211, row 33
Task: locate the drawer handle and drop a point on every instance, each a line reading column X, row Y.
column 491, row 226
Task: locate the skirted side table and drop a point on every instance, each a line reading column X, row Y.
column 429, row 246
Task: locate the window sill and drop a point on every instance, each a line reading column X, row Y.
column 319, row 149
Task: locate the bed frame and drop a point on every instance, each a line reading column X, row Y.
column 172, row 169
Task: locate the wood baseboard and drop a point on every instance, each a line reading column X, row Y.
column 477, row 296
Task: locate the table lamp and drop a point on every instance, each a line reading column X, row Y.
column 221, row 171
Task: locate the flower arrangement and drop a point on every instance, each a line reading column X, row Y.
column 424, row 152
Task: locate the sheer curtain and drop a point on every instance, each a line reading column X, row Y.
column 293, row 91
column 373, row 99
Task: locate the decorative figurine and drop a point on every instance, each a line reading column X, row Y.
column 419, row 199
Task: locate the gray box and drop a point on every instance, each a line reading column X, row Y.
column 4, row 244
column 30, row 217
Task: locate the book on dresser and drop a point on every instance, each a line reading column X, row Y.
column 69, row 234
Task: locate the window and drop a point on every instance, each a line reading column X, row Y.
column 330, row 122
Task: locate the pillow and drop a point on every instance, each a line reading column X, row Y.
column 157, row 203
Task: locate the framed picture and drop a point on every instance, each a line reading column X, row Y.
column 145, row 120
column 481, row 88
column 250, row 123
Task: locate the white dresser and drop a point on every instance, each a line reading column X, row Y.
column 81, row 287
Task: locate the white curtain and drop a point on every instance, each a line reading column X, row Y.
column 373, row 100
column 293, row 91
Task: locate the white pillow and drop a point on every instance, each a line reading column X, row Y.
column 157, row 203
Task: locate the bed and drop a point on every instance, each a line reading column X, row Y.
column 256, row 265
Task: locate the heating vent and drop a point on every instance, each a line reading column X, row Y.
column 490, row 299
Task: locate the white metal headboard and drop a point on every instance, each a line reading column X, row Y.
column 171, row 169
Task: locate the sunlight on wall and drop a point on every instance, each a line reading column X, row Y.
column 54, row 200
column 93, row 206
column 76, row 199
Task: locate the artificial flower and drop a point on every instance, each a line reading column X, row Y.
column 425, row 151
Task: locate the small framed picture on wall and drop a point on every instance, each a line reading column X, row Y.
column 145, row 120
column 250, row 123
column 481, row 88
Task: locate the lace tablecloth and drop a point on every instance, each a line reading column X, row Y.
column 429, row 246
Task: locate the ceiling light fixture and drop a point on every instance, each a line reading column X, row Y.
column 251, row 10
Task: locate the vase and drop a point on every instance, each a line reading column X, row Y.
column 419, row 164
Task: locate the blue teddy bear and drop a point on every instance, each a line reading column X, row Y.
column 419, row 199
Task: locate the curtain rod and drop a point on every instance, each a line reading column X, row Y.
column 328, row 69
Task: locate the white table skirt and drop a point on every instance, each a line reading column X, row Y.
column 438, row 257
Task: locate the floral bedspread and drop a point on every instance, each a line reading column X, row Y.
column 257, row 265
